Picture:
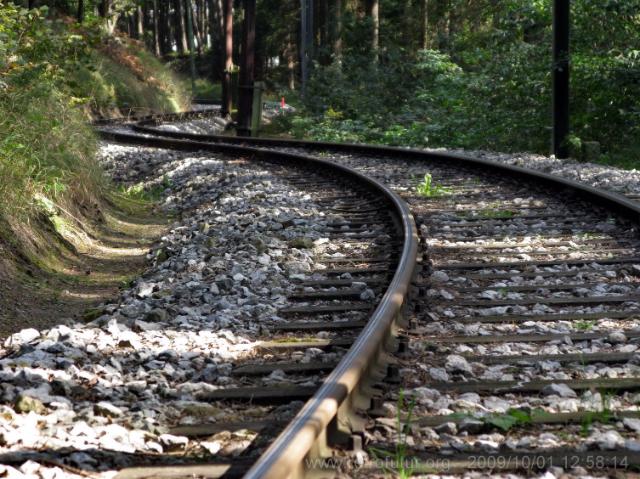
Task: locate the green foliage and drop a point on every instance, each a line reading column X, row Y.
column 428, row 189
column 140, row 193
column 604, row 416
column 485, row 84
column 508, row 420
column 46, row 146
column 585, row 324
column 398, row 462
column 48, row 70
column 142, row 83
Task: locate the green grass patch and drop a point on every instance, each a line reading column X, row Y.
column 428, row 189
column 205, row 89
column 142, row 194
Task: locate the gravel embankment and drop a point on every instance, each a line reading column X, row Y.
column 217, row 278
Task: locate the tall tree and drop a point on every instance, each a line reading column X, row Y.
column 228, row 57
column 196, row 26
column 80, row 12
column 156, row 29
column 424, row 23
column 337, row 33
column 139, row 17
column 374, row 15
column 180, row 29
column 247, row 69
column 164, row 28
column 192, row 61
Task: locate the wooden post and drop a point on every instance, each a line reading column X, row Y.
column 560, row 73
column 247, row 69
column 227, row 96
column 256, row 110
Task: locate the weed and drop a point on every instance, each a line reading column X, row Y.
column 127, row 283
column 505, row 421
column 401, row 465
column 139, row 192
column 604, row 416
column 428, row 189
column 508, row 420
column 585, row 324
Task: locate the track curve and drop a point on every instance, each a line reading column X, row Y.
column 284, row 458
column 364, row 358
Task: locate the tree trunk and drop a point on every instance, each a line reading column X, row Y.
column 103, row 8
column 139, row 22
column 374, row 13
column 194, row 23
column 337, row 35
column 227, row 102
column 192, row 61
column 424, row 31
column 247, row 69
column 80, row 12
column 291, row 62
column 163, row 24
column 156, row 29
column 178, row 29
column 216, row 24
column 202, row 15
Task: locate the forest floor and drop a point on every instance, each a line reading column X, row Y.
column 82, row 263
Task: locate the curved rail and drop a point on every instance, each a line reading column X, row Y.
column 615, row 201
column 286, row 455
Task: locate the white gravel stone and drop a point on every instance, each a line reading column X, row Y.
column 208, row 294
column 457, row 364
column 606, row 441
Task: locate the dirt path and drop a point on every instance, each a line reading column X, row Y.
column 76, row 268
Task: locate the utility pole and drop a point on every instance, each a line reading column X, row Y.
column 560, row 73
column 192, row 47
column 247, row 69
column 227, row 96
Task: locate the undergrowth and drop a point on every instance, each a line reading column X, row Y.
column 52, row 73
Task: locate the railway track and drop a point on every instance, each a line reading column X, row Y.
column 519, row 349
column 356, row 287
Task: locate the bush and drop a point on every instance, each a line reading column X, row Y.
column 494, row 92
column 48, row 69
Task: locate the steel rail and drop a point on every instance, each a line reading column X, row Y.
column 615, row 201
column 154, row 117
column 286, row 456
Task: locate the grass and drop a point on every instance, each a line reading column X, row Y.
column 46, row 151
column 428, row 189
column 505, row 421
column 129, row 77
column 585, row 324
column 140, row 193
column 206, row 90
column 627, row 158
column 604, row 416
column 398, row 462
